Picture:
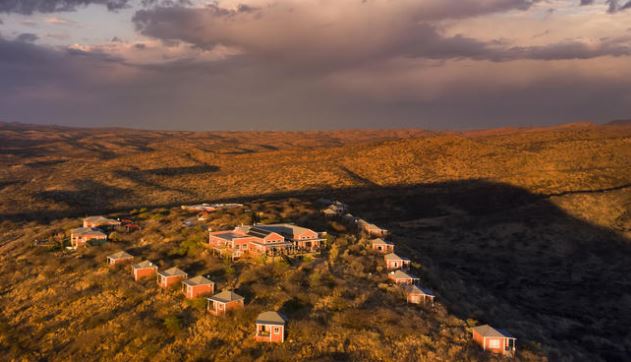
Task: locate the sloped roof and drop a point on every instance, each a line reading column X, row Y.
column 270, row 317
column 226, row 296
column 228, row 235
column 87, row 231
column 172, row 272
column 198, row 280
column 486, row 330
column 144, row 264
column 380, row 241
column 287, row 230
column 413, row 289
column 399, row 274
column 368, row 225
column 120, row 255
column 101, row 219
column 393, row 256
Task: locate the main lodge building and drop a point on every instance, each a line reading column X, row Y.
column 259, row 239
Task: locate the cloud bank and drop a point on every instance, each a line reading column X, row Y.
column 325, row 63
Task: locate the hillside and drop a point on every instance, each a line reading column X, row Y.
column 71, row 306
column 525, row 228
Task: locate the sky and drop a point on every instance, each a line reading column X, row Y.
column 314, row 64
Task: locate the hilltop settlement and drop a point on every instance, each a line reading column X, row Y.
column 263, row 243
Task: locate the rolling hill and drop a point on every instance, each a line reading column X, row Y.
column 525, row 228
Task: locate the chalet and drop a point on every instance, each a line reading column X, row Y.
column 417, row 295
column 401, row 277
column 119, row 258
column 198, row 286
column 143, row 269
column 100, row 222
column 129, row 225
column 393, row 261
column 334, row 208
column 170, row 277
column 371, row 229
column 381, row 246
column 221, row 303
column 301, row 237
column 81, row 236
column 494, row 340
column 270, row 327
column 205, row 207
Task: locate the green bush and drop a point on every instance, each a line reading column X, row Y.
column 172, row 324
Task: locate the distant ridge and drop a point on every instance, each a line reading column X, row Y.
column 620, row 122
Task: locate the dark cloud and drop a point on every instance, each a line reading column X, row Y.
column 282, row 37
column 617, row 5
column 28, row 7
column 27, row 37
column 366, row 64
column 613, row 6
column 293, row 34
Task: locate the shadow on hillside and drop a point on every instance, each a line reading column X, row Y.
column 101, row 152
column 89, row 195
column 492, row 252
column 142, row 176
column 44, row 164
column 175, row 171
column 358, row 178
column 4, row 184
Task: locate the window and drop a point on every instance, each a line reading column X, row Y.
column 494, row 343
column 276, row 330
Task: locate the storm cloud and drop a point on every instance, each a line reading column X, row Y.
column 309, row 34
column 328, row 64
column 28, row 7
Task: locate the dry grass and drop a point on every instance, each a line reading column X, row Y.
column 545, row 212
column 71, row 306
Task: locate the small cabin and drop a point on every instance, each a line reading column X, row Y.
column 81, row 236
column 198, row 286
column 402, row 278
column 270, row 327
column 170, row 277
column 381, row 246
column 494, row 340
column 417, row 295
column 100, row 222
column 143, row 269
column 221, row 303
column 371, row 229
column 119, row 258
column 393, row 261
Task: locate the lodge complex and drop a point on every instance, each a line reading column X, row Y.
column 272, row 240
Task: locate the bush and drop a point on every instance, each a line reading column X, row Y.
column 199, row 304
column 172, row 324
column 187, row 247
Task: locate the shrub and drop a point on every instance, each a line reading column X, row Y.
column 198, row 304
column 172, row 324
